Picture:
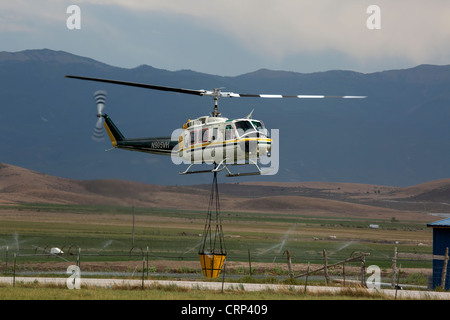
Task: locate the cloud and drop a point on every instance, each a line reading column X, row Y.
column 198, row 33
column 25, row 15
column 416, row 30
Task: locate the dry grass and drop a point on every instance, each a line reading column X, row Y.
column 37, row 291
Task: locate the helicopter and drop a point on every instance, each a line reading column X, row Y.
column 209, row 139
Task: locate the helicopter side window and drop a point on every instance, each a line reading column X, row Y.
column 229, row 133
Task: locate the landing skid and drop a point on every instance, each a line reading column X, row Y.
column 225, row 166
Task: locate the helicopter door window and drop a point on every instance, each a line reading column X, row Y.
column 192, row 138
column 229, row 133
column 186, row 140
column 215, row 134
column 205, row 135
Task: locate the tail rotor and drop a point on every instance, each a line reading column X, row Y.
column 100, row 100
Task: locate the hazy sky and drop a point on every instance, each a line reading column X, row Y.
column 234, row 37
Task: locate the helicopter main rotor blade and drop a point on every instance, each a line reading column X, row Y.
column 141, row 85
column 300, row 96
column 216, row 93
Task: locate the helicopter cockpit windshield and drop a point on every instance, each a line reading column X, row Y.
column 244, row 126
column 251, row 128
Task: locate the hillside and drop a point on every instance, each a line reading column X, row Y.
column 398, row 136
column 19, row 185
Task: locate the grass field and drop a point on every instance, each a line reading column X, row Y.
column 103, row 235
column 263, row 224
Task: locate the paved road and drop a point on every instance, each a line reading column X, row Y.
column 401, row 294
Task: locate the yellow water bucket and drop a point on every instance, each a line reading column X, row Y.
column 211, row 264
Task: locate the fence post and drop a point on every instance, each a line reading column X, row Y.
column 249, row 263
column 291, row 273
column 444, row 270
column 343, row 272
column 398, row 281
column 307, row 274
column 147, row 261
column 14, row 271
column 394, row 267
column 224, row 270
column 327, row 277
column 363, row 271
column 79, row 258
column 6, row 261
column 143, row 270
column 132, row 232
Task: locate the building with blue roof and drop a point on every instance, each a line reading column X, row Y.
column 441, row 241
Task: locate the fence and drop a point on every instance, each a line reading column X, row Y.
column 323, row 269
column 70, row 270
column 439, row 270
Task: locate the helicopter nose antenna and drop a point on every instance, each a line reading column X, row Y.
column 100, row 100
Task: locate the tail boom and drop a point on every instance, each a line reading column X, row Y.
column 155, row 145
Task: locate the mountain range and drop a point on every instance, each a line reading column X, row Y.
column 397, row 136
